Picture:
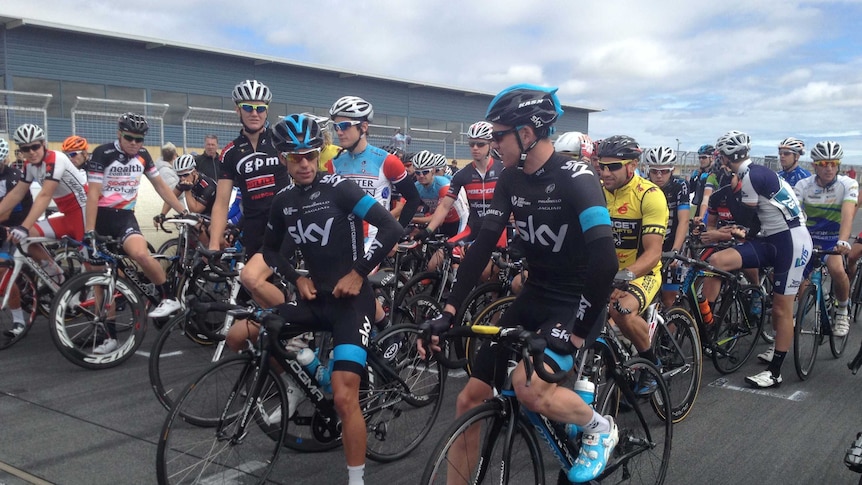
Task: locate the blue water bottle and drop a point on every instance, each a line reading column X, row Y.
column 587, row 390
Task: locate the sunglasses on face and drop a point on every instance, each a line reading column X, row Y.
column 248, row 107
column 827, row 163
column 660, row 171
column 184, row 175
column 480, row 144
column 343, row 125
column 612, row 166
column 72, row 154
column 702, row 157
column 299, row 157
column 30, row 148
column 786, row 153
column 499, row 135
column 424, row 172
column 133, row 138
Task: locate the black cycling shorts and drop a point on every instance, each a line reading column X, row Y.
column 117, row 223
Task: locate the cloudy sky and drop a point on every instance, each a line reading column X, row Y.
column 663, row 71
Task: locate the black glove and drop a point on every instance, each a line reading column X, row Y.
column 159, row 218
column 439, row 324
column 423, row 234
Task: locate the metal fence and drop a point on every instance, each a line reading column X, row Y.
column 96, row 119
column 200, row 122
column 18, row 108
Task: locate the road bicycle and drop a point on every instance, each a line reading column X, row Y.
column 815, row 313
column 508, row 449
column 228, row 425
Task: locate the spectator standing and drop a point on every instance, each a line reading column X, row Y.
column 208, row 162
column 165, row 165
column 400, row 140
column 852, row 173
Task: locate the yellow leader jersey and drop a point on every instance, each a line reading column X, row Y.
column 637, row 208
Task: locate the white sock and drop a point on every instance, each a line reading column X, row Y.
column 598, row 424
column 18, row 316
column 356, row 475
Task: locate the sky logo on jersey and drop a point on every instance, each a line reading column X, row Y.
column 577, row 168
column 542, row 235
column 311, row 233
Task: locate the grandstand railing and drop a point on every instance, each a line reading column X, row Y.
column 19, row 107
column 96, row 119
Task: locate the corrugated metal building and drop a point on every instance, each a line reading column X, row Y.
column 69, row 62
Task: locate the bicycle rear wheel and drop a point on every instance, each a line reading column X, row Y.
column 402, row 396
column 473, row 450
column 29, row 304
column 736, row 333
column 84, row 313
column 642, row 455
column 481, row 296
column 220, row 452
column 677, row 345
column 806, row 332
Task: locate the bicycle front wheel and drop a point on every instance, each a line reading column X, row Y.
column 85, row 313
column 402, row 396
column 486, row 445
column 677, row 345
column 489, row 316
column 227, row 449
column 806, row 332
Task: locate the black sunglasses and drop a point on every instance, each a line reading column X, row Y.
column 480, row 144
column 499, row 135
column 29, row 148
column 136, row 139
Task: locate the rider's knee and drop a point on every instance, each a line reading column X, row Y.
column 473, row 394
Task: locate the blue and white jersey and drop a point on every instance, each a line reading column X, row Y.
column 794, row 176
column 777, row 206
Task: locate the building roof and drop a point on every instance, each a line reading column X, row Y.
column 155, row 43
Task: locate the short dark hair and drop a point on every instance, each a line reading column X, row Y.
column 211, row 137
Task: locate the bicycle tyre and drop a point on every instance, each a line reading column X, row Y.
column 806, row 332
column 681, row 367
column 189, row 452
column 481, row 296
column 176, row 357
column 735, row 335
column 418, row 309
column 490, row 315
column 524, row 460
column 402, row 396
column 427, row 282
column 78, row 320
column 29, row 305
column 642, row 455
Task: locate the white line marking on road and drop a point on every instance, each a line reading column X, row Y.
column 169, row 354
column 33, row 480
column 723, row 383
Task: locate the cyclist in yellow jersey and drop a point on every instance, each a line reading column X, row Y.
column 639, row 216
column 329, row 150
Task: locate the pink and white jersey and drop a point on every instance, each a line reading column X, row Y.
column 71, row 192
column 119, row 174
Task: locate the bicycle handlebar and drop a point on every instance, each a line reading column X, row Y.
column 531, row 345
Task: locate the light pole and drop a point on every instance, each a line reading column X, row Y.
column 677, row 144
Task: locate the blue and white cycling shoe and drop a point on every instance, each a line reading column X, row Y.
column 595, row 451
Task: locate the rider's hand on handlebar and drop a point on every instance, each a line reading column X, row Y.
column 158, row 220
column 434, row 327
column 18, row 233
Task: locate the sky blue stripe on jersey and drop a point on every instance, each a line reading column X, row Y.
column 594, row 216
column 351, row 353
column 363, row 206
column 564, row 361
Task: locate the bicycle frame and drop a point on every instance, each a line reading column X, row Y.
column 20, row 259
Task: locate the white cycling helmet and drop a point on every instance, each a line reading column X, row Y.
column 793, row 144
column 734, row 145
column 424, row 160
column 28, row 133
column 4, row 150
column 352, row 107
column 660, row 157
column 440, row 161
column 481, row 130
column 575, row 144
column 323, row 122
column 827, row 150
column 184, row 164
column 251, row 90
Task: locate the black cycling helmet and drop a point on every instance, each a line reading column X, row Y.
column 395, row 151
column 133, row 123
column 526, row 104
column 620, row 146
column 297, row 133
column 706, row 150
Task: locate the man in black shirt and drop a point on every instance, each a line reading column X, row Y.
column 209, row 161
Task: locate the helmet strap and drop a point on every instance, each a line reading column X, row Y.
column 524, row 152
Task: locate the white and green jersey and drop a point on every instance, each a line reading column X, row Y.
column 822, row 205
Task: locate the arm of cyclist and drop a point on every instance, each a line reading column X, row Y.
column 40, row 203
column 408, row 191
column 219, row 214
column 848, row 212
column 166, row 193
column 14, row 196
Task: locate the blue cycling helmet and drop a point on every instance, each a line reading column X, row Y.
column 297, row 133
column 526, row 104
column 706, row 150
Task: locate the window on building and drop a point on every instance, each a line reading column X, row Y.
column 395, row 120
column 126, row 94
column 72, row 91
column 41, row 86
column 202, row 101
column 178, row 105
